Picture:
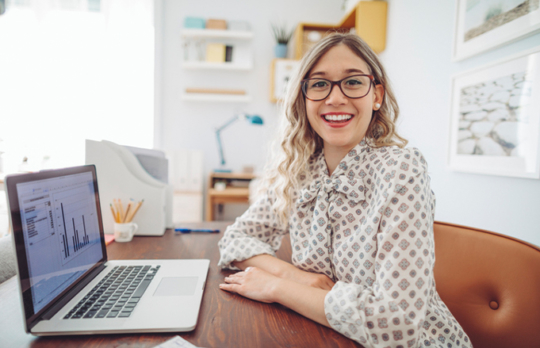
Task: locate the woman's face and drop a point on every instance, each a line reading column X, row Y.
column 336, row 64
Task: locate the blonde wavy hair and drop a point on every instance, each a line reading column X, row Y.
column 297, row 142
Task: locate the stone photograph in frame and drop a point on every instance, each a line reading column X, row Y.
column 481, row 25
column 495, row 118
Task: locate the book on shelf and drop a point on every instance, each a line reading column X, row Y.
column 215, row 53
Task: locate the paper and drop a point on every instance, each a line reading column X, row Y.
column 176, row 342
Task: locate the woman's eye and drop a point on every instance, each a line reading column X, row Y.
column 353, row 82
column 319, row 84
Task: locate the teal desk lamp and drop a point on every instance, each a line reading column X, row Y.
column 252, row 119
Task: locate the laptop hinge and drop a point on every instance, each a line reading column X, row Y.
column 47, row 315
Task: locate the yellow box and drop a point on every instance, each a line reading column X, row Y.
column 215, row 53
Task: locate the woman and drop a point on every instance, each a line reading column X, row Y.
column 358, row 207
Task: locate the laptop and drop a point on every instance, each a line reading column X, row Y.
column 67, row 284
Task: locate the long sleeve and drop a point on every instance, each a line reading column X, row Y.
column 256, row 232
column 390, row 310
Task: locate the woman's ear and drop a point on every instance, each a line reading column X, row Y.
column 378, row 96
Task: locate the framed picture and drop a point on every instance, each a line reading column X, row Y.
column 484, row 24
column 495, row 118
column 280, row 74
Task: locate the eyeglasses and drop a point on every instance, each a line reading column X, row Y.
column 354, row 87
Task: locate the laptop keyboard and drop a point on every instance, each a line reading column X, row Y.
column 116, row 295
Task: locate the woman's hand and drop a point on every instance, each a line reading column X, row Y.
column 285, row 270
column 253, row 283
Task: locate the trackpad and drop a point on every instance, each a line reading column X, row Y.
column 177, row 286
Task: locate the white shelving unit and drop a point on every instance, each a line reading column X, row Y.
column 216, row 66
column 195, row 41
column 209, row 97
column 217, row 34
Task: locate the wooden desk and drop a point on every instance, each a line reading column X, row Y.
column 229, row 194
column 225, row 319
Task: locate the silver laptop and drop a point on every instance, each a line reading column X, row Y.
column 66, row 283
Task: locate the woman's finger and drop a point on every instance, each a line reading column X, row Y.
column 229, row 287
column 233, row 280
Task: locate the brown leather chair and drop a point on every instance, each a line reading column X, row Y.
column 491, row 283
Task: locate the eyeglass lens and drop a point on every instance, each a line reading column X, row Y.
column 353, row 87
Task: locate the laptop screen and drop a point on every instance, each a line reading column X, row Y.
column 60, row 225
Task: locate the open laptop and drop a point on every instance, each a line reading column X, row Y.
column 66, row 283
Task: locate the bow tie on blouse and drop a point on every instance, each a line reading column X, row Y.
column 324, row 203
column 350, row 189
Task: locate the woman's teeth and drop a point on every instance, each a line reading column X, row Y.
column 337, row 118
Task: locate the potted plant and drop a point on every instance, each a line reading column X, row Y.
column 282, row 36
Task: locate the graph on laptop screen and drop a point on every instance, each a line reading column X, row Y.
column 61, row 232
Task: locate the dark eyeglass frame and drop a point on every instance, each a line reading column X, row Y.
column 338, row 83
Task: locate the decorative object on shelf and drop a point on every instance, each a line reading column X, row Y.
column 282, row 36
column 238, row 26
column 215, row 52
column 366, row 18
column 228, row 53
column 251, row 119
column 234, row 47
column 484, row 24
column 194, row 23
column 495, row 125
column 280, row 74
column 218, row 24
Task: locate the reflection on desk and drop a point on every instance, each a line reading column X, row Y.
column 225, row 319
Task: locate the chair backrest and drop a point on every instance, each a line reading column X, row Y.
column 491, row 284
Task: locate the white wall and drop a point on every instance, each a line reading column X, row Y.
column 418, row 61
column 192, row 124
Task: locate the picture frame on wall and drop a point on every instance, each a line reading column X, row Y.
column 280, row 74
column 481, row 25
column 495, row 118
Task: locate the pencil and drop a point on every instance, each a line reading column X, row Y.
column 127, row 212
column 115, row 202
column 122, row 213
column 113, row 213
column 134, row 211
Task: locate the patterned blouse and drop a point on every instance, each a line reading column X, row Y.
column 369, row 228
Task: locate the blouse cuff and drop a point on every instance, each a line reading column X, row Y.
column 242, row 249
column 340, row 311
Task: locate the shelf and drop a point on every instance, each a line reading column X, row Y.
column 234, row 176
column 229, row 192
column 216, row 97
column 218, row 34
column 368, row 18
column 215, row 66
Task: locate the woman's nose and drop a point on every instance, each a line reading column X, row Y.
column 336, row 96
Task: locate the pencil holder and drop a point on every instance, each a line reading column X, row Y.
column 124, row 232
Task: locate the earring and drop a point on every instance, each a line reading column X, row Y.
column 377, row 106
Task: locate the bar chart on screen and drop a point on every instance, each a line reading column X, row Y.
column 76, row 222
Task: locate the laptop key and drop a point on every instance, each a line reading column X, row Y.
column 124, row 314
column 90, row 314
column 113, row 314
column 101, row 314
column 141, row 289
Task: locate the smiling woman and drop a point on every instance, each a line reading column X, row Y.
column 60, row 86
column 358, row 208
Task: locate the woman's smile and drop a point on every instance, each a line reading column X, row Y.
column 337, row 119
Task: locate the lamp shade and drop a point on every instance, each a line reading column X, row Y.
column 254, row 119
